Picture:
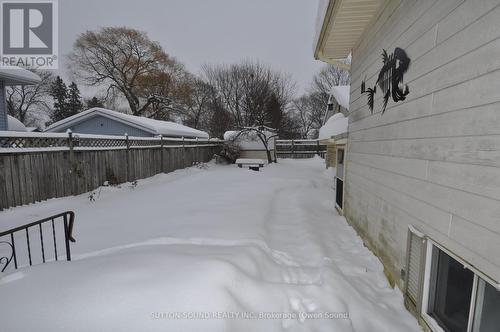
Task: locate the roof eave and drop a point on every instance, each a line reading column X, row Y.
column 318, row 54
column 15, row 80
column 343, row 25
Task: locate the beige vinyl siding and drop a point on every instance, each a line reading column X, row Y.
column 331, row 155
column 434, row 159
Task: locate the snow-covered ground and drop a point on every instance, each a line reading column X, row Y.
column 224, row 245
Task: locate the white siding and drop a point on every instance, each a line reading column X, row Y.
column 434, row 159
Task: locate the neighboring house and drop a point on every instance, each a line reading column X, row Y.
column 15, row 125
column 329, row 134
column 335, row 123
column 338, row 101
column 11, row 75
column 251, row 146
column 100, row 121
column 422, row 160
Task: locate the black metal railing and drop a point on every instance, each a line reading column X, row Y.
column 11, row 239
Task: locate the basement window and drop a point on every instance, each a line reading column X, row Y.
column 456, row 298
column 486, row 318
column 451, row 292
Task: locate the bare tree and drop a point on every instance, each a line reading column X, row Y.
column 220, row 119
column 308, row 111
column 198, row 97
column 302, row 108
column 125, row 60
column 248, row 88
column 328, row 76
column 31, row 104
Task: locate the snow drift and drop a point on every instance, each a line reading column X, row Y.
column 206, row 249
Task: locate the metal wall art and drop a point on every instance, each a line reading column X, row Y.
column 390, row 79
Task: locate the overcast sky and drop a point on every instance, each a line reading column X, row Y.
column 277, row 32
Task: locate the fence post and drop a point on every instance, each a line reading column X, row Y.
column 183, row 153
column 317, row 147
column 70, row 145
column 196, row 152
column 127, row 143
column 162, row 156
column 72, row 166
column 275, row 151
column 293, row 150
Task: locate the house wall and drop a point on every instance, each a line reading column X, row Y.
column 432, row 160
column 100, row 125
column 331, row 155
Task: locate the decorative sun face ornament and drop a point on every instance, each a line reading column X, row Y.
column 390, row 79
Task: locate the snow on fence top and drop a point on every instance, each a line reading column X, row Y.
column 155, row 127
column 28, row 141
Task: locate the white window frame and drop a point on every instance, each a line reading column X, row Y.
column 431, row 322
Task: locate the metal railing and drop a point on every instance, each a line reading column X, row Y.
column 9, row 238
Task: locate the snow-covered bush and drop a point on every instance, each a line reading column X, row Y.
column 95, row 194
column 230, row 152
column 200, row 165
column 133, row 184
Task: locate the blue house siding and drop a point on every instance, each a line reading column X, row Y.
column 100, row 125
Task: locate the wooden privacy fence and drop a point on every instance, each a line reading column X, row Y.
column 300, row 149
column 36, row 167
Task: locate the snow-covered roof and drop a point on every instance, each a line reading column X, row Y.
column 250, row 140
column 336, row 125
column 156, row 127
column 228, row 135
column 341, row 93
column 14, row 124
column 13, row 75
